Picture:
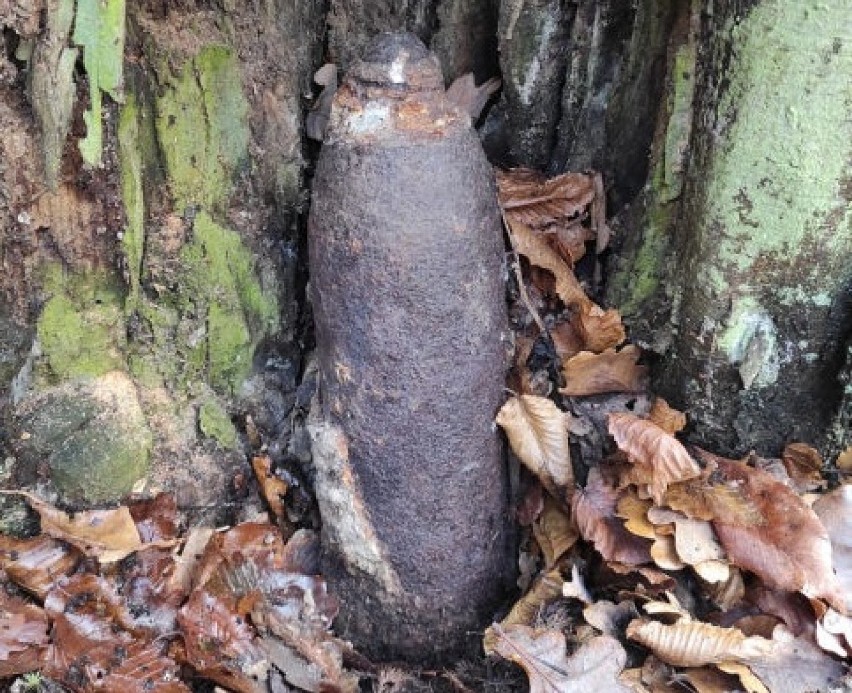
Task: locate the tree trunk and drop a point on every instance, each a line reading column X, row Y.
column 745, row 235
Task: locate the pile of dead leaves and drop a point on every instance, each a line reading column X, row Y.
column 663, row 567
column 111, row 600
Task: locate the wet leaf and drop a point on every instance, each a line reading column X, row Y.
column 272, row 488
column 108, row 535
column 588, row 373
column 541, row 653
column 694, row 644
column 220, row 644
column 594, row 512
column 658, row 456
column 156, row 519
column 537, row 432
column 142, row 668
column 788, row 547
column 23, row 636
column 36, row 564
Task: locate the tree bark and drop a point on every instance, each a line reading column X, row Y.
column 745, row 235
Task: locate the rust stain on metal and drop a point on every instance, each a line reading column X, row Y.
column 406, row 260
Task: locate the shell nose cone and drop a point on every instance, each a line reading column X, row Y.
column 399, row 59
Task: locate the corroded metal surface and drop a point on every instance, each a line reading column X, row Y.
column 406, row 275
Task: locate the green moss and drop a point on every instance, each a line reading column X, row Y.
column 774, row 179
column 214, row 422
column 219, row 278
column 130, row 161
column 81, row 327
column 202, row 126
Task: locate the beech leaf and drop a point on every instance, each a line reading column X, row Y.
column 659, row 457
column 787, row 546
column 588, row 373
column 694, row 644
column 594, row 512
column 537, row 432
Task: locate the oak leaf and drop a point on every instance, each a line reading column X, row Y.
column 537, row 432
column 589, row 373
column 658, row 456
column 541, row 653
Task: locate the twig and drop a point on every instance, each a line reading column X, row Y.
column 522, row 289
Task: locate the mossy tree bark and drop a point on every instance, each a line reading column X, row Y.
column 739, row 273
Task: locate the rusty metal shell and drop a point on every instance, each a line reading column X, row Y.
column 406, row 258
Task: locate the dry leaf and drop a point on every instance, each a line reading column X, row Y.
column 834, row 509
column 750, row 682
column 608, row 617
column 789, row 548
column 694, row 644
column 537, row 432
column 804, row 465
column 555, row 532
column 527, row 609
column 711, row 680
column 666, row 417
column 541, row 653
column 635, row 513
column 530, row 198
column 664, row 554
column 588, row 373
column 539, row 253
column 796, row 666
column 713, row 572
column 659, row 457
column 468, row 97
column 728, row 593
column 600, row 329
column 108, row 535
column 844, row 460
column 594, row 512
column 567, row 341
column 695, row 541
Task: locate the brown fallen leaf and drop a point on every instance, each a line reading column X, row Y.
column 666, row 417
column 594, row 512
column 634, row 511
column 728, row 593
column 36, row 564
column 608, row 617
column 537, row 432
column 539, row 202
column 272, row 488
column 541, row 653
column 589, row 373
column 555, row 532
column 834, row 510
column 796, row 665
column 600, row 329
column 789, row 547
column 658, row 457
column 539, row 253
column 664, row 554
column 108, row 535
column 142, row 667
column 695, row 644
column 844, row 460
column 23, row 636
column 804, row 465
column 155, row 518
column 695, row 541
column 567, row 341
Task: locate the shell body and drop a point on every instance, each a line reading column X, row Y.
column 406, row 258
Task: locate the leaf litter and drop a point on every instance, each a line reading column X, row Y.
column 646, row 564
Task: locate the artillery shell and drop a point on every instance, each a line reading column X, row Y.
column 406, row 260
